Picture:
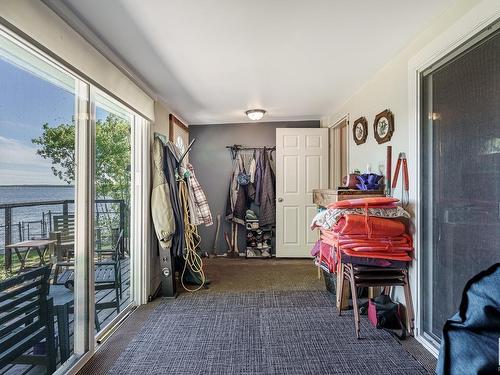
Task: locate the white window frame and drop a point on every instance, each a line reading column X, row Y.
column 471, row 24
column 86, row 342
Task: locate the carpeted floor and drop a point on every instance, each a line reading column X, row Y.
column 259, row 317
column 277, row 332
column 245, row 275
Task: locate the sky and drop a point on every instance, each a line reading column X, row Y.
column 26, row 103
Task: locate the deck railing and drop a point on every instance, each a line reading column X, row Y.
column 109, row 212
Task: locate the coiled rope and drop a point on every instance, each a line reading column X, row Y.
column 191, row 239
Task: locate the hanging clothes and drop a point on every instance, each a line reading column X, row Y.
column 267, row 193
column 161, row 206
column 236, row 205
column 200, row 213
column 169, row 167
column 252, row 168
column 259, row 171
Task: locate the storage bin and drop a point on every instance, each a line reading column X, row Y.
column 330, row 281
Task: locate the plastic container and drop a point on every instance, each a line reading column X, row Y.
column 330, row 281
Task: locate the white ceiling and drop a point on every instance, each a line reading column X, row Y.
column 210, row 60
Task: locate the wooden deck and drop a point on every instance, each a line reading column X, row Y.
column 105, row 317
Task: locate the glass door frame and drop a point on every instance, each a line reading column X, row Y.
column 85, row 340
column 137, row 125
column 468, row 29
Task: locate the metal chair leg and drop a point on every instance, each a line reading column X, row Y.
column 51, row 342
column 340, row 289
column 409, row 304
column 117, row 293
column 96, row 321
column 354, row 295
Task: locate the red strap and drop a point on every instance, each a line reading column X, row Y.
column 405, row 175
column 396, row 174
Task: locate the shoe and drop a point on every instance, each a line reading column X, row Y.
column 265, row 254
column 250, row 215
column 250, row 253
column 259, row 245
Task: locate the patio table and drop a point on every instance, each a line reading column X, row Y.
column 22, row 250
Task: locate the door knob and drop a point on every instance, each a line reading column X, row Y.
column 280, row 200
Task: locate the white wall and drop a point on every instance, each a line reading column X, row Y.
column 388, row 89
column 394, row 88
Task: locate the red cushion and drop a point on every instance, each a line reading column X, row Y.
column 363, row 202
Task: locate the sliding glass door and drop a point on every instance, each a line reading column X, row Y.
column 70, row 215
column 40, row 105
column 113, row 166
column 460, row 191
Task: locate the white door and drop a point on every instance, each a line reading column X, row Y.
column 301, row 166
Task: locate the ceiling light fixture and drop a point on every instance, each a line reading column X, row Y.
column 255, row 114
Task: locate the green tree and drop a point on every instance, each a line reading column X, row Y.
column 112, row 168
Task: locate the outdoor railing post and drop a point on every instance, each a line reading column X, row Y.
column 50, row 220
column 65, row 217
column 8, row 237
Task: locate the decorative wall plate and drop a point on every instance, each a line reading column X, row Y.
column 383, row 126
column 360, row 130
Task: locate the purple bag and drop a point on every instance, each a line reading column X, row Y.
column 384, row 313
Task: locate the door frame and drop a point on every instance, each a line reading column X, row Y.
column 332, row 149
column 473, row 23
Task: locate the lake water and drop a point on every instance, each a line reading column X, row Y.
column 27, row 221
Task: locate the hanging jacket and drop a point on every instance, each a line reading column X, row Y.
column 161, row 206
column 268, row 196
column 259, row 171
column 201, row 211
column 236, row 205
column 169, row 167
column 252, row 168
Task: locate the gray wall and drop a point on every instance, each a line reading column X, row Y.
column 212, row 163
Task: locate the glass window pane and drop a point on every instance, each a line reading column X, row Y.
column 112, row 215
column 461, row 179
column 37, row 192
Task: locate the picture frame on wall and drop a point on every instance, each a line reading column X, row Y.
column 360, row 130
column 383, row 126
column 178, row 133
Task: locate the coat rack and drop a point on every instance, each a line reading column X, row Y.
column 235, row 148
column 187, row 150
column 164, row 140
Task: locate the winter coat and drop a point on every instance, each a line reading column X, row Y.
column 236, row 205
column 259, row 171
column 267, row 193
column 169, row 167
column 161, row 206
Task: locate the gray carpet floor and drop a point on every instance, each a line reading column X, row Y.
column 272, row 332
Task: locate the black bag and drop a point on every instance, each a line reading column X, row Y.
column 384, row 313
